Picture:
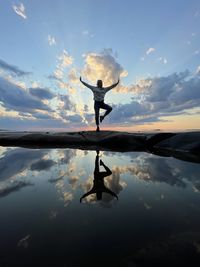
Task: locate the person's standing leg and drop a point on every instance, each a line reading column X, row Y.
column 96, row 109
column 108, row 110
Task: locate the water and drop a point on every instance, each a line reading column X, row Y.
column 149, row 212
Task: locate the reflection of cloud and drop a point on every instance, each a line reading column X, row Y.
column 147, row 206
column 24, row 242
column 53, row 214
column 67, row 198
column 73, row 181
column 180, row 249
column 17, row 160
column 112, row 182
column 13, row 187
column 54, row 180
column 65, row 195
column 43, row 164
column 150, row 169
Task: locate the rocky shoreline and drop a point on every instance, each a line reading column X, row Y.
column 185, row 146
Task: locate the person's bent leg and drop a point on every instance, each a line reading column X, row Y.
column 108, row 110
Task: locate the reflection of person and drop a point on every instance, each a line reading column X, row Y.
column 98, row 182
column 99, row 93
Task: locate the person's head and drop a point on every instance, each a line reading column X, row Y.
column 99, row 83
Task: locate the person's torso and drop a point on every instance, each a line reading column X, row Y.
column 99, row 93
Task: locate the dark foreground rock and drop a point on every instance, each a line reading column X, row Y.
column 185, row 146
column 104, row 140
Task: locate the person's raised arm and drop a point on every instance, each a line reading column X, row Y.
column 112, row 86
column 86, row 84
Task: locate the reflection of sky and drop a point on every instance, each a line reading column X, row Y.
column 40, row 191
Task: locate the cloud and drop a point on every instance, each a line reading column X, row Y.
column 73, row 76
column 51, row 40
column 54, row 77
column 102, row 66
column 13, row 187
column 42, row 165
column 14, row 97
column 24, row 242
column 150, row 50
column 65, row 59
column 12, row 69
column 66, row 103
column 17, row 160
column 158, row 97
column 198, row 70
column 197, row 14
column 87, row 33
column 163, row 60
column 20, row 10
column 41, row 93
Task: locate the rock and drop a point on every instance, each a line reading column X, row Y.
column 182, row 142
column 104, row 140
column 184, row 146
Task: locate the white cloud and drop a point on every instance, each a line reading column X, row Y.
column 87, row 33
column 51, row 40
column 65, row 59
column 20, row 10
column 150, row 50
column 198, row 70
column 102, row 66
column 163, row 60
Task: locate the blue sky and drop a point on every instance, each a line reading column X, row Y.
column 149, row 44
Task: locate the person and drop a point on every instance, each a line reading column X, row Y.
column 99, row 93
column 98, row 182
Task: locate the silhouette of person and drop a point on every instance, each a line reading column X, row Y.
column 98, row 182
column 99, row 93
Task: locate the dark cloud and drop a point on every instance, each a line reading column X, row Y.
column 125, row 112
column 42, row 116
column 86, row 109
column 17, row 160
column 12, row 69
column 41, row 93
column 150, row 169
column 13, row 97
column 13, row 187
column 165, row 96
column 162, row 87
column 67, row 155
column 54, row 77
column 68, row 105
column 42, row 165
column 74, row 118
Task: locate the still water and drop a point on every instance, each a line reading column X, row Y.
column 62, row 207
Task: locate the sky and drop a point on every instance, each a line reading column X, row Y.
column 152, row 46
